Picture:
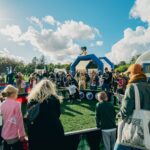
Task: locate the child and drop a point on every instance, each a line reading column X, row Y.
column 13, row 128
column 72, row 87
column 105, row 119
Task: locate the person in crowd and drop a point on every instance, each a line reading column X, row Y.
column 121, row 84
column 63, row 79
column 115, row 81
column 13, row 131
column 1, row 79
column 20, row 83
column 45, row 74
column 77, row 76
column 94, row 81
column 52, row 76
column 105, row 120
column 101, row 81
column 107, row 76
column 84, row 50
column 73, row 87
column 47, row 131
column 137, row 77
column 10, row 78
column 33, row 81
column 87, row 79
column 82, row 81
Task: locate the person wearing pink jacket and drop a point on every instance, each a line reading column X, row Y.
column 13, row 131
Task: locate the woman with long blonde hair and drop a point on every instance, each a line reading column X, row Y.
column 47, row 131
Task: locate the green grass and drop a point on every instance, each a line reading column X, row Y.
column 78, row 116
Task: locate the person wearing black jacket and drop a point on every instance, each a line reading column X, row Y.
column 105, row 120
column 46, row 132
column 107, row 77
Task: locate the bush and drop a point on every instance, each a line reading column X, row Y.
column 122, row 68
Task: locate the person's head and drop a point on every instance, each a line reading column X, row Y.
column 10, row 92
column 68, row 77
column 106, row 69
column 84, row 48
column 102, row 96
column 134, row 70
column 42, row 91
column 135, row 73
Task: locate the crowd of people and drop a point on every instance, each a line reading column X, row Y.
column 44, row 128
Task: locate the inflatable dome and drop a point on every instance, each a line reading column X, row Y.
column 145, row 57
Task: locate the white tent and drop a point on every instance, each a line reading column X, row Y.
column 145, row 57
column 56, row 70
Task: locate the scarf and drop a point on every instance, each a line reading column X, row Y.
column 137, row 77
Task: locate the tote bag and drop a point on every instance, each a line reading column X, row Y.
column 135, row 130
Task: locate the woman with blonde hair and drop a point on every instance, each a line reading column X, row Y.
column 46, row 132
column 82, row 81
column 13, row 127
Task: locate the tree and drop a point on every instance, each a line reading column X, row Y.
column 122, row 63
column 35, row 61
column 41, row 62
column 51, row 67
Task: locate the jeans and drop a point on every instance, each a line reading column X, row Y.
column 109, row 139
column 122, row 147
column 106, row 87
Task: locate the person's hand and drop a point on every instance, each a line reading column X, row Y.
column 22, row 138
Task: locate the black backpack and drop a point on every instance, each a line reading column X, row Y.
column 32, row 113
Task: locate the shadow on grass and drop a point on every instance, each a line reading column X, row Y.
column 71, row 112
column 89, row 105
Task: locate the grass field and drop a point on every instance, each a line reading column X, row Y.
column 79, row 115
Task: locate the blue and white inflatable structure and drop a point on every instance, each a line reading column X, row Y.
column 101, row 62
column 83, row 62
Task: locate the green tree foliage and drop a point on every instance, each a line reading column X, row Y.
column 27, row 69
column 123, row 66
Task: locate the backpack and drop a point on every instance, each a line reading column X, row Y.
column 32, row 113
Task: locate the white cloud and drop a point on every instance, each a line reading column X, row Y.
column 49, row 20
column 99, row 43
column 134, row 42
column 6, row 54
column 77, row 30
column 141, row 9
column 35, row 20
column 12, row 31
column 59, row 43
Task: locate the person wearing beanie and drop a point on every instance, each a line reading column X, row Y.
column 136, row 76
column 105, row 120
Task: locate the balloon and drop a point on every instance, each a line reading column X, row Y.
column 89, row 95
column 81, row 95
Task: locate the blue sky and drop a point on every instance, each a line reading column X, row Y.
column 110, row 17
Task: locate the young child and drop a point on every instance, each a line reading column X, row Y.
column 13, row 128
column 105, row 120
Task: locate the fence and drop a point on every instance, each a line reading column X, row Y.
column 88, row 139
